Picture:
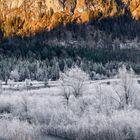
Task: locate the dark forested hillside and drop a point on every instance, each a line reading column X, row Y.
column 114, row 32
column 47, row 37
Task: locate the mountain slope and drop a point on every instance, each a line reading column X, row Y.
column 26, row 17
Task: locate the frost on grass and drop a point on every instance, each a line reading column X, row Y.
column 94, row 110
column 15, row 129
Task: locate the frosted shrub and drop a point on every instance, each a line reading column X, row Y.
column 16, row 130
column 27, row 83
column 126, row 123
column 41, row 111
column 121, row 125
column 104, row 102
column 6, row 104
column 63, row 122
column 75, row 78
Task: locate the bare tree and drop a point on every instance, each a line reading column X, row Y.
column 75, row 79
column 66, row 93
column 128, row 87
column 45, row 81
column 0, row 87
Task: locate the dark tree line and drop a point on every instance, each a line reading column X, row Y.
column 42, row 62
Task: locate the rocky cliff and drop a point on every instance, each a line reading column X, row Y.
column 24, row 17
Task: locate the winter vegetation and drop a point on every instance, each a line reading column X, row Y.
column 43, row 62
column 73, row 107
column 70, row 69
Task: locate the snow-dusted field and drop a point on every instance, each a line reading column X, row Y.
column 100, row 111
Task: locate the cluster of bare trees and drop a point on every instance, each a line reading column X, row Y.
column 124, row 94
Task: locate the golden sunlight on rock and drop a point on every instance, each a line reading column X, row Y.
column 34, row 15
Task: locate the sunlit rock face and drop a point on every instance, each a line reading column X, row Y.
column 73, row 6
column 48, row 14
column 135, row 8
column 31, row 4
column 56, row 5
column 10, row 4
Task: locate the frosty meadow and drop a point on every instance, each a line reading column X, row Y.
column 74, row 107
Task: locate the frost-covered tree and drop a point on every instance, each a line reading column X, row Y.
column 66, row 93
column 45, row 79
column 27, row 83
column 5, row 70
column 55, row 70
column 40, row 74
column 75, row 79
column 14, row 75
column 128, row 87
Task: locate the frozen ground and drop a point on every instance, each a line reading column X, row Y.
column 99, row 113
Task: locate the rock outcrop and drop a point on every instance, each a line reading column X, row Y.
column 23, row 17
